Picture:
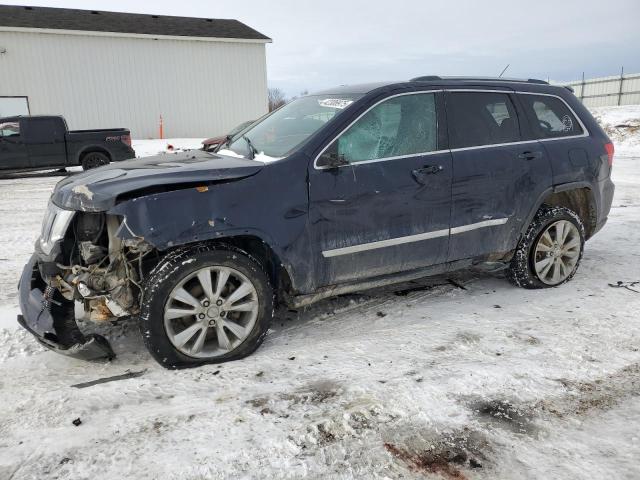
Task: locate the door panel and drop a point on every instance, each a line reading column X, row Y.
column 387, row 210
column 494, row 189
column 13, row 152
column 46, row 142
column 497, row 177
column 361, row 206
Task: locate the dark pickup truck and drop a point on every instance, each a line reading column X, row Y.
column 41, row 142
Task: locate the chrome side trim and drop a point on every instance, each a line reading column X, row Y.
column 474, row 226
column 478, row 147
column 423, row 154
column 482, row 90
column 384, row 243
column 412, row 238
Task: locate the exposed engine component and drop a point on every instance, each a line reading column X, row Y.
column 107, row 275
column 91, row 253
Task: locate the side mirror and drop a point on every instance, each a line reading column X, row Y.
column 330, row 160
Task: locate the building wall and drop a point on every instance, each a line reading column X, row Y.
column 201, row 88
column 607, row 91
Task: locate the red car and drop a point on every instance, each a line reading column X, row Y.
column 212, row 144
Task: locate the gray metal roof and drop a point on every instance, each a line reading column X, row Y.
column 100, row 21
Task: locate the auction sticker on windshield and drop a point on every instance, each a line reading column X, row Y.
column 335, row 102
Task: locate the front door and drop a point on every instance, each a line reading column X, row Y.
column 13, row 152
column 46, row 142
column 387, row 208
column 497, row 177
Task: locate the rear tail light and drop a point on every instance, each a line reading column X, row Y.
column 126, row 139
column 609, row 148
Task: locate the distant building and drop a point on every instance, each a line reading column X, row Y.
column 106, row 69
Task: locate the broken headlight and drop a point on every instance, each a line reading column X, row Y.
column 54, row 226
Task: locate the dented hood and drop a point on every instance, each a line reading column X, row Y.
column 97, row 190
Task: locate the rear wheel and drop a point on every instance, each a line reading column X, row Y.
column 94, row 160
column 205, row 304
column 549, row 253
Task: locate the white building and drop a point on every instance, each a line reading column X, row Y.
column 105, row 69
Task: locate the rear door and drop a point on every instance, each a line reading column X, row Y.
column 46, row 142
column 13, row 151
column 497, row 176
column 561, row 134
column 387, row 209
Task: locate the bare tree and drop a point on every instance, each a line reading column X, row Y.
column 276, row 99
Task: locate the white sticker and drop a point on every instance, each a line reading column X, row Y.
column 339, row 103
column 568, row 123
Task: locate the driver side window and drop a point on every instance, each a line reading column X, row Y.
column 401, row 126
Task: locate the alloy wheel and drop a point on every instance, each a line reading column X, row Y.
column 557, row 252
column 211, row 312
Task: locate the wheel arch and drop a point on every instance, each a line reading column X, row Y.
column 578, row 197
column 92, row 149
column 279, row 274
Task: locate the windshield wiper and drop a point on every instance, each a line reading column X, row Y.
column 252, row 149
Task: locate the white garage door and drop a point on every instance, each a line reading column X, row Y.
column 10, row 106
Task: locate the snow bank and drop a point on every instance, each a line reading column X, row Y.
column 622, row 124
column 147, row 148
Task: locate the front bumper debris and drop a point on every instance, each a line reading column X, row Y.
column 53, row 323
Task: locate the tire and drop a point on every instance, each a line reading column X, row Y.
column 94, row 160
column 164, row 333
column 537, row 257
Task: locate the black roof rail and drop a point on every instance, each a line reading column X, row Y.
column 426, row 78
column 430, row 78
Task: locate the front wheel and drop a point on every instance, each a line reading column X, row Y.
column 550, row 251
column 205, row 304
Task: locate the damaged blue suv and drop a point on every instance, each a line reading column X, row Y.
column 343, row 190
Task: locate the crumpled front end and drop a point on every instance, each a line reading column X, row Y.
column 80, row 270
column 51, row 319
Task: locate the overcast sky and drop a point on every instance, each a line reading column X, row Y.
column 318, row 44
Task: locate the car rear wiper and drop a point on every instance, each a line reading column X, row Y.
column 252, row 149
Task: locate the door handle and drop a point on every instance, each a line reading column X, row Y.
column 420, row 173
column 428, row 170
column 530, row 155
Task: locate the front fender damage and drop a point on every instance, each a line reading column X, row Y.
column 170, row 219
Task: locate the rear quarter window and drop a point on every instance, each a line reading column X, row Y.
column 550, row 117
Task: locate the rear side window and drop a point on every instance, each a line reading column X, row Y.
column 10, row 129
column 550, row 117
column 400, row 126
column 481, row 118
column 44, row 130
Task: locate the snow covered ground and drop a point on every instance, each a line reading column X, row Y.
column 452, row 377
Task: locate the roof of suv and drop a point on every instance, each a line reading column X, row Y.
column 435, row 81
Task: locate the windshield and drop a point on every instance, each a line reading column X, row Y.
column 285, row 129
column 239, row 128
